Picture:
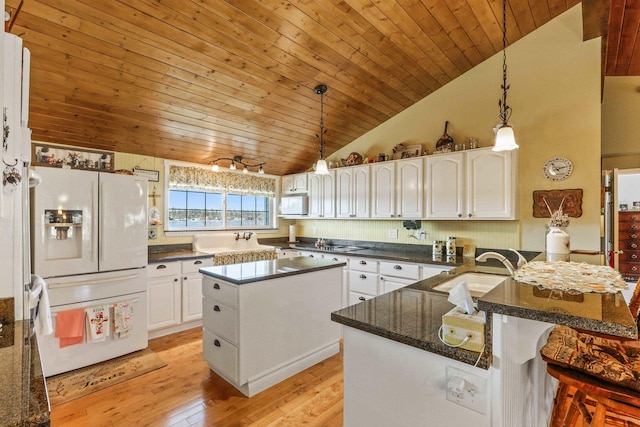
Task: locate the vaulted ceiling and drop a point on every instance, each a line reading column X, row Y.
column 195, row 80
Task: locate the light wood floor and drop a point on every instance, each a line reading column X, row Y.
column 187, row 393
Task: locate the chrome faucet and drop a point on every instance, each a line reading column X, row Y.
column 488, row 255
column 237, row 236
column 246, row 235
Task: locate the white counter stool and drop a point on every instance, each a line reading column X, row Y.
column 599, row 378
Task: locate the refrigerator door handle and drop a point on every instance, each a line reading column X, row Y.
column 71, row 281
column 97, row 231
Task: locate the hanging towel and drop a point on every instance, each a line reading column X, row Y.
column 97, row 323
column 70, row 327
column 122, row 319
column 39, row 297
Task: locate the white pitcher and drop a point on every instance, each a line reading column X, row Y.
column 557, row 241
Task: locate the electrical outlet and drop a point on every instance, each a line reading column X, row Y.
column 152, row 233
column 421, row 235
column 393, row 233
column 467, row 389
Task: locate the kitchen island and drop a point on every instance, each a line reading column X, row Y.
column 398, row 372
column 265, row 321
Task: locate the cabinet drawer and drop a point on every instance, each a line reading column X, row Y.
column 630, row 268
column 355, row 297
column 220, row 291
column 629, row 216
column 164, row 269
column 363, row 282
column 193, row 265
column 220, row 354
column 633, row 245
column 397, row 269
column 363, row 264
column 629, row 226
column 220, row 319
column 633, row 256
column 629, row 235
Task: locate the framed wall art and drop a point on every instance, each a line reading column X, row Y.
column 408, row 152
column 570, row 200
column 72, row 157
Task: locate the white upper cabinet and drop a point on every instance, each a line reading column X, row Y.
column 491, row 184
column 474, row 184
column 353, row 192
column 296, row 183
column 397, row 189
column 445, row 186
column 322, row 200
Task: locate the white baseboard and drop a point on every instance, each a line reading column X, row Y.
column 173, row 329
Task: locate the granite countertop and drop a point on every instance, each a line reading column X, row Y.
column 256, row 271
column 397, row 316
column 176, row 255
column 23, row 393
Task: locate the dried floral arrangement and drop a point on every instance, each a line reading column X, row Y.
column 558, row 218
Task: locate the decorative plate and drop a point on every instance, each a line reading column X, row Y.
column 154, row 216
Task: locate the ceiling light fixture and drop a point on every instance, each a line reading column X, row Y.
column 321, row 164
column 505, row 138
column 232, row 166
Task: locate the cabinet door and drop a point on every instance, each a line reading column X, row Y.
column 315, row 195
column 328, row 195
column 361, row 192
column 445, row 186
column 409, row 179
column 287, row 184
column 383, row 198
column 300, row 182
column 164, row 301
column 490, row 184
column 344, row 198
column 191, row 297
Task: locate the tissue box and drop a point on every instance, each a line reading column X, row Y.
column 457, row 325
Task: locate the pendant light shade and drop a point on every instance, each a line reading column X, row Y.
column 321, row 164
column 505, row 138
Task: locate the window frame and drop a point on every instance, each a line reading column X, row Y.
column 185, row 230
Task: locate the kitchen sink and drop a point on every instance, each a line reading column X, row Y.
column 479, row 284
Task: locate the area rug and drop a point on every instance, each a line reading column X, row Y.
column 72, row 385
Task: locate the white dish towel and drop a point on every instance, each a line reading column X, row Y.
column 97, row 323
column 39, row 297
column 122, row 319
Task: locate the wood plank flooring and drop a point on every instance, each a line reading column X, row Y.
column 187, row 393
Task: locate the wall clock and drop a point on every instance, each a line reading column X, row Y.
column 557, row 168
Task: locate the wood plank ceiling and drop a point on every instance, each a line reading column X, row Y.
column 197, row 80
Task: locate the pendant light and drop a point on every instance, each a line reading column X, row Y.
column 321, row 164
column 505, row 138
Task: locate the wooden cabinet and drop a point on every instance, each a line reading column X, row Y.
column 474, row 184
column 175, row 295
column 322, row 200
column 629, row 245
column 296, row 183
column 353, row 192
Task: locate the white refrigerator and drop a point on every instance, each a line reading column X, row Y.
column 90, row 244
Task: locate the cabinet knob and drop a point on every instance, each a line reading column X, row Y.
column 198, row 262
column 216, row 343
column 175, row 280
column 397, row 267
column 633, row 245
column 352, row 215
column 363, row 262
column 459, row 215
column 469, row 215
column 634, row 236
column 216, row 308
column 185, row 278
column 633, row 217
column 362, row 298
column 634, row 256
column 335, row 259
column 161, row 266
column 399, row 216
column 634, row 268
column 633, row 226
column 362, row 276
column 216, row 286
column 311, row 256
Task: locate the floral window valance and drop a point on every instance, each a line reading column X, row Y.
column 208, row 180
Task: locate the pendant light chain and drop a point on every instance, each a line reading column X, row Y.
column 321, row 90
column 505, row 110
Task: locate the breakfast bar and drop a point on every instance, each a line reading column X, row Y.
column 398, row 336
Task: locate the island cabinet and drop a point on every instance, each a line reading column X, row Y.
column 292, row 184
column 353, row 197
column 397, row 189
column 322, row 195
column 260, row 333
column 474, row 184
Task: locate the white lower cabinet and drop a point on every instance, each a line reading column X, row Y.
column 174, row 295
column 396, row 275
column 257, row 334
column 363, row 279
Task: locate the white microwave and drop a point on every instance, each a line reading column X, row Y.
column 294, row 204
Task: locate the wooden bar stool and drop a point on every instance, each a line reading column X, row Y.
column 598, row 378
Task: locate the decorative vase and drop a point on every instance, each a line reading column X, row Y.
column 558, row 241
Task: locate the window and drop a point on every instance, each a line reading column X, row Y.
column 200, row 199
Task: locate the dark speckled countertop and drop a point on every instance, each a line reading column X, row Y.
column 23, row 395
column 256, row 271
column 413, row 315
